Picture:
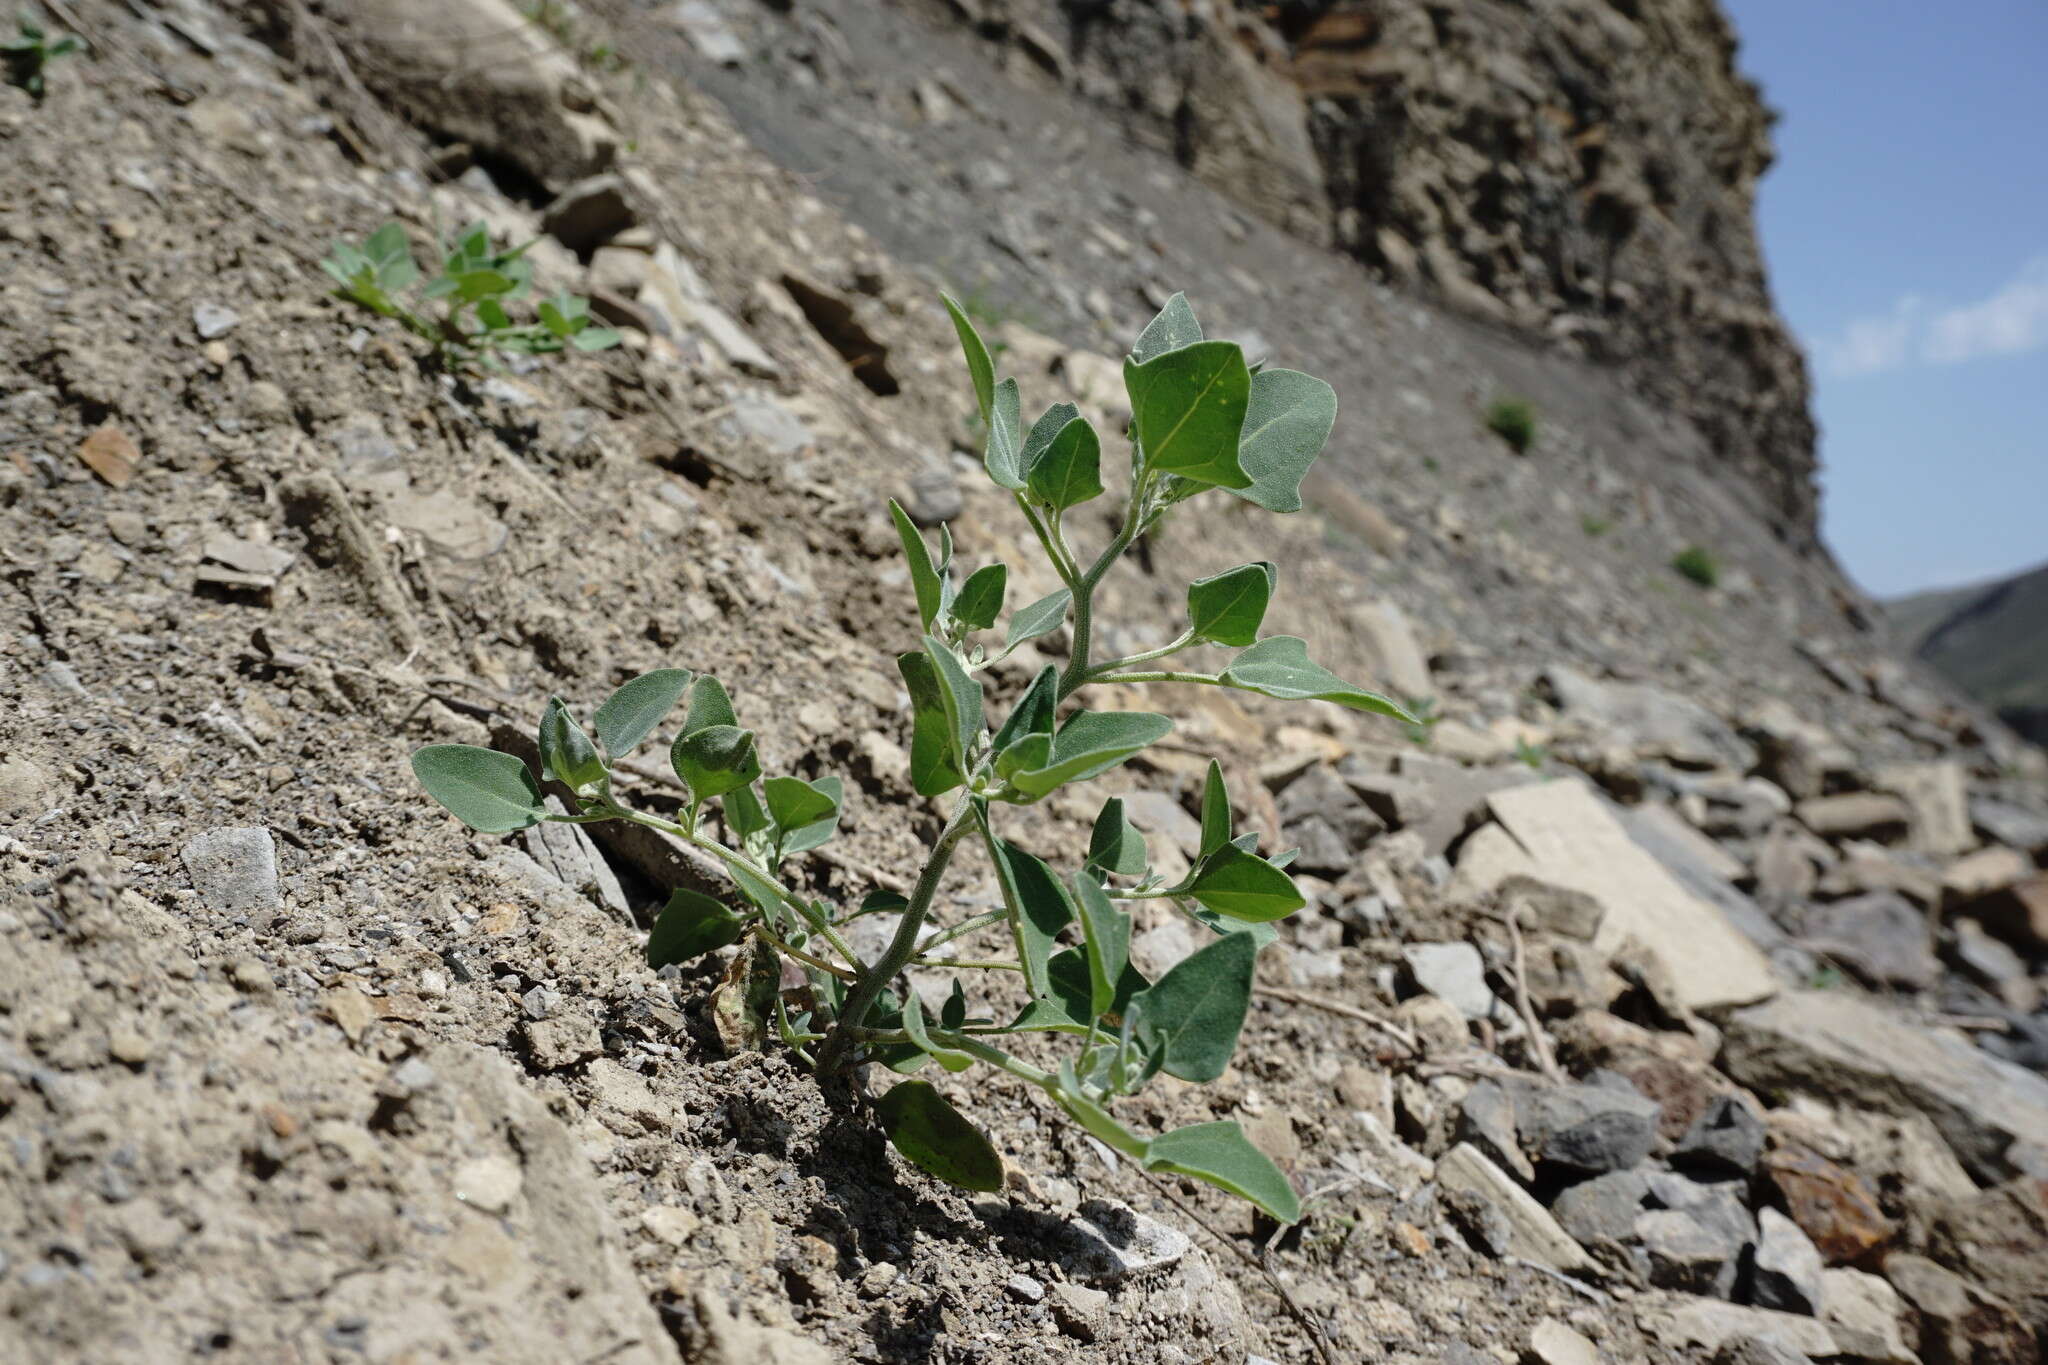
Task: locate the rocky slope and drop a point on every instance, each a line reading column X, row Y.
column 1991, row 640
column 1680, row 996
column 1584, row 171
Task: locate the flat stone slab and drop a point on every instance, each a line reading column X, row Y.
column 1574, row 840
column 1684, row 1321
column 1533, row 1234
column 1847, row 1049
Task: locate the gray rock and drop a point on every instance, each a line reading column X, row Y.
column 1548, row 909
column 234, row 870
column 1533, row 1234
column 1757, row 1351
column 1024, row 1289
column 1856, row 815
column 1688, row 1253
column 1553, row 1343
column 934, row 497
column 2005, row 823
column 1865, row 1315
column 1320, row 794
column 589, row 213
column 1321, row 850
column 1392, row 656
column 708, row 31
column 1116, row 1242
column 1659, row 722
column 1702, row 1326
column 1586, row 1127
column 1726, row 1139
column 1603, row 1208
column 1938, row 795
column 1456, row 973
column 212, row 320
column 1854, row 1052
column 1959, row 1322
column 1785, row 1271
column 1701, row 867
column 760, row 418
column 1487, row 1120
column 1879, row 936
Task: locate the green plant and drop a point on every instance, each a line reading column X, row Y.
column 1202, row 420
column 1513, row 420
column 1698, row 565
column 30, row 53
column 1531, row 756
column 1422, row 720
column 475, row 284
column 1595, row 526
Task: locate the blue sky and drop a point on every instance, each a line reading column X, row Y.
column 1906, row 225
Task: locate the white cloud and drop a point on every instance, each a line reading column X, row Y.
column 2011, row 320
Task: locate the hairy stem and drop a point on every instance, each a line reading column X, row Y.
column 1084, row 590
column 873, row 977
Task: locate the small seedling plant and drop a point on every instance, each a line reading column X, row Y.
column 477, row 281
column 1514, row 421
column 30, row 53
column 1203, row 421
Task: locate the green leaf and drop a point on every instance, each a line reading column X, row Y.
column 980, row 367
column 1039, row 618
column 484, row 789
column 1259, row 934
column 1244, row 886
column 1106, row 936
column 961, row 695
column 388, row 243
column 981, row 597
column 1027, row 753
column 596, row 338
column 1173, row 328
column 566, row 754
column 954, row 1012
column 1004, row 454
column 807, row 813
column 1115, row 844
column 1278, row 666
column 689, row 926
column 1091, row 743
column 1215, row 810
column 1227, row 608
column 709, row 705
column 1188, row 408
column 1069, row 1001
column 1073, row 1097
column 752, row 885
column 1034, row 711
column 933, row 770
column 1063, row 458
column 1037, row 900
column 630, row 714
column 1196, row 1011
column 913, row 1024
column 925, row 579
column 933, row 1136
column 1285, row 426
column 1222, row 1155
column 715, row 760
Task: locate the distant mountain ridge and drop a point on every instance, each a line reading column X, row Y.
column 1991, row 639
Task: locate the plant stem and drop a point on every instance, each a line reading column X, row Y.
column 962, row 929
column 1160, row 675
column 901, row 948
column 1084, row 591
column 1112, row 665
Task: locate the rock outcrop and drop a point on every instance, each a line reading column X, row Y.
column 1584, row 169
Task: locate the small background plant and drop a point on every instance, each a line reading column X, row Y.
column 30, row 53
column 1202, row 421
column 1514, row 421
column 1697, row 564
column 476, row 283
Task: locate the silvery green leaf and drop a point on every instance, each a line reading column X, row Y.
column 630, row 714
column 980, row 366
column 1244, row 886
column 1278, row 666
column 486, row 790
column 1004, row 454
column 926, row 580
column 1070, row 997
column 1228, row 608
column 1215, row 810
column 932, row 1135
column 1042, row 617
column 689, row 926
column 715, row 760
column 1197, row 1009
column 933, row 769
column 1188, row 411
column 1063, row 465
column 807, row 813
column 1089, row 744
column 1171, row 329
column 1034, row 711
column 1222, row 1155
column 1106, row 935
column 961, row 695
column 709, row 705
column 566, row 754
column 1115, row 844
column 913, row 1024
column 980, row 599
column 1037, row 900
column 1286, row 425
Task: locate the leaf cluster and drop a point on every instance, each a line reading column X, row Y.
column 1202, row 420
column 475, row 284
column 1514, row 421
column 29, row 54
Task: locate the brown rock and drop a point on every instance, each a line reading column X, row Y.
column 2018, row 914
column 1829, row 1203
column 2000, row 1240
column 109, row 453
column 1984, row 872
column 1959, row 1323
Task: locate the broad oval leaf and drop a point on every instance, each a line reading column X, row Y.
column 1172, row 328
column 1039, row 618
column 1034, row 711
column 1026, row 753
column 1244, row 886
column 1188, row 408
column 934, row 1137
column 980, row 366
column 709, row 705
column 1063, row 458
column 1106, row 936
column 1286, row 425
column 689, row 926
column 1228, row 608
column 566, row 754
column 807, row 819
column 926, row 580
column 1222, row 1155
column 961, row 696
column 1037, row 901
column 1196, row 1011
column 630, row 714
column 484, row 789
column 933, row 769
column 1091, row 743
column 715, row 760
column 1115, row 845
column 981, row 597
column 1278, row 666
column 1215, row 810
column 1004, row 454
column 913, row 1024
column 1070, row 995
